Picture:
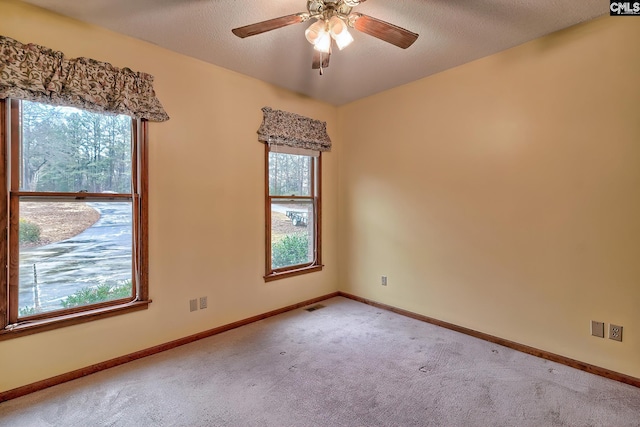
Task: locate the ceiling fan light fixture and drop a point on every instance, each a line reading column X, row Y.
column 323, row 43
column 344, row 40
column 314, row 31
column 339, row 32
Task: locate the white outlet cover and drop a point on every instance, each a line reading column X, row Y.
column 615, row 332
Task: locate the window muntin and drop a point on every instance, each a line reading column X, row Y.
column 60, row 160
column 293, row 205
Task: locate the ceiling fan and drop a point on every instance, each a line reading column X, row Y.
column 332, row 19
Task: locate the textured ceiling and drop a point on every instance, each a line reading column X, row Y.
column 452, row 32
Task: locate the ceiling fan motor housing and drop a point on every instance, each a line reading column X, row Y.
column 325, row 9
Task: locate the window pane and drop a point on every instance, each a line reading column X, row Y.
column 289, row 174
column 292, row 234
column 65, row 149
column 73, row 254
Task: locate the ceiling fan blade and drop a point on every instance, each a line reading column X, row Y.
column 320, row 60
column 271, row 24
column 384, row 31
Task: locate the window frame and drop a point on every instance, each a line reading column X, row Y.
column 316, row 193
column 11, row 325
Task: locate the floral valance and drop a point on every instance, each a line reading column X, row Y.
column 36, row 73
column 284, row 128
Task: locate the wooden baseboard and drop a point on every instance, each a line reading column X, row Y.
column 596, row 370
column 79, row 373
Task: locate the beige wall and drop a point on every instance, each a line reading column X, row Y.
column 504, row 195
column 501, row 195
column 206, row 202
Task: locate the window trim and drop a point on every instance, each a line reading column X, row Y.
column 9, row 325
column 316, row 185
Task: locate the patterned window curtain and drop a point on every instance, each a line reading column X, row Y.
column 284, row 128
column 36, row 73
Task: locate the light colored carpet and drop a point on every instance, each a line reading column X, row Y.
column 347, row 364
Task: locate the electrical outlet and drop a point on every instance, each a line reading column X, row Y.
column 383, row 281
column 615, row 332
column 203, row 302
column 193, row 304
column 597, row 329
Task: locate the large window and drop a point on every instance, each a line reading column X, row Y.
column 293, row 211
column 74, row 193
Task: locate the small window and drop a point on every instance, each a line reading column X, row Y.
column 77, row 209
column 292, row 211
